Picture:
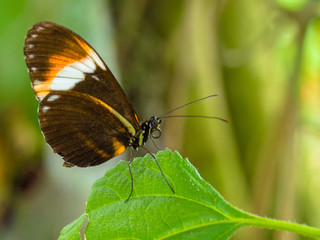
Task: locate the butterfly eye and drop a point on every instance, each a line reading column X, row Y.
column 156, row 133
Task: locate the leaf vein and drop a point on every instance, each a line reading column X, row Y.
column 197, row 227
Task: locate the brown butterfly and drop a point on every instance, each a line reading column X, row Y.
column 84, row 114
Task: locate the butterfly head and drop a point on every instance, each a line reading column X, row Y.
column 149, row 128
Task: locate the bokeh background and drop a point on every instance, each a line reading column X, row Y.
column 261, row 56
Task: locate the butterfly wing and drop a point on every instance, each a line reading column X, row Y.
column 84, row 114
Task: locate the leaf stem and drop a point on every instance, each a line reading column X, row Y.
column 274, row 224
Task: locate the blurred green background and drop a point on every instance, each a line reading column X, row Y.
column 262, row 57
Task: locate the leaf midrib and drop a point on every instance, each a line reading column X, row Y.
column 172, row 196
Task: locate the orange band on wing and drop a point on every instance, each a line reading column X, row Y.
column 91, row 53
column 56, row 66
column 118, row 147
column 135, row 115
column 97, row 150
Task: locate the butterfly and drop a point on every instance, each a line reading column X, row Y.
column 84, row 114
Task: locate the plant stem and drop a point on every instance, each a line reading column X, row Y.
column 269, row 223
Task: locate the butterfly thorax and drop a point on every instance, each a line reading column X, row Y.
column 148, row 128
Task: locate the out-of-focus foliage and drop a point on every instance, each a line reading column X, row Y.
column 262, row 57
column 309, row 122
column 293, row 5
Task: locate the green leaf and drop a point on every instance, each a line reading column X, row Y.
column 72, row 230
column 195, row 211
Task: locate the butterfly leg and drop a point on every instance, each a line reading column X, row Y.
column 159, row 167
column 131, row 181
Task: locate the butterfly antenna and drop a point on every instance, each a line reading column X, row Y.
column 159, row 167
column 196, row 116
column 214, row 95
